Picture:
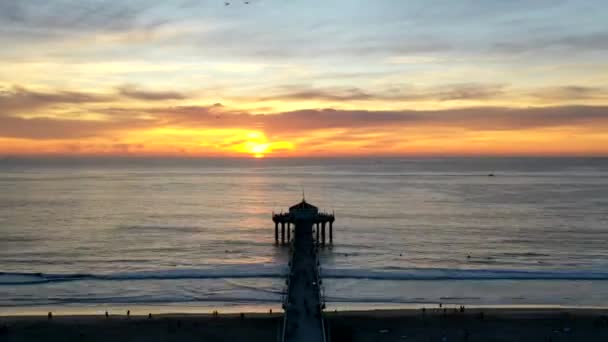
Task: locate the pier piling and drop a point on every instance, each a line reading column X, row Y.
column 276, row 232
column 323, row 233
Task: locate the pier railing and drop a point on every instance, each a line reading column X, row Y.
column 286, row 291
column 321, row 292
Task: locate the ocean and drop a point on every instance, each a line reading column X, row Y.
column 197, row 235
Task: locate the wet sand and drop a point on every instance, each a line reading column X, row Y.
column 387, row 325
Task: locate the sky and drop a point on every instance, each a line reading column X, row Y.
column 292, row 78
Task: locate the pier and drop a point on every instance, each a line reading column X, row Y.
column 303, row 212
column 303, row 302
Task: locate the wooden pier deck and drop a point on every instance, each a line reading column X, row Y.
column 303, row 307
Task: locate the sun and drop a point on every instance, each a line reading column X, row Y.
column 258, row 149
column 256, row 145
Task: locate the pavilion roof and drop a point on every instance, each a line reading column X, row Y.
column 303, row 206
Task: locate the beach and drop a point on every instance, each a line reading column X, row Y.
column 533, row 324
column 166, row 327
column 487, row 324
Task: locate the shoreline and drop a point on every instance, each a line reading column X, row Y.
column 234, row 310
column 137, row 309
column 504, row 311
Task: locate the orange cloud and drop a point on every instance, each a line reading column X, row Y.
column 219, row 131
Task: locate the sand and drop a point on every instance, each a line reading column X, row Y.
column 386, row 325
column 471, row 325
column 253, row 327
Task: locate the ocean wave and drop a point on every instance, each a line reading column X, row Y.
column 461, row 274
column 525, row 254
column 273, row 271
column 398, row 300
column 153, row 299
column 238, row 271
column 140, row 299
column 182, row 229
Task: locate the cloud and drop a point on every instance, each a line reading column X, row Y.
column 571, row 93
column 454, row 92
column 470, row 118
column 594, row 41
column 74, row 17
column 47, row 128
column 200, row 29
column 571, row 43
column 307, row 120
column 151, row 113
column 468, row 91
column 20, row 99
column 217, row 130
column 279, row 31
column 331, row 94
column 12, row 11
column 135, row 93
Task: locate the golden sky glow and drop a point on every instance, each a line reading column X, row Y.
column 291, row 79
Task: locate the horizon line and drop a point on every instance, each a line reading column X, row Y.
column 247, row 157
